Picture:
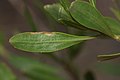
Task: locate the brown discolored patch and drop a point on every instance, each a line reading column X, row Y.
column 45, row 33
column 35, row 32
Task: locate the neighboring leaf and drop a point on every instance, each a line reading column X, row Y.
column 90, row 17
column 57, row 12
column 60, row 15
column 115, row 27
column 45, row 41
column 93, row 3
column 109, row 68
column 34, row 69
column 36, row 74
column 72, row 24
column 5, row 73
column 89, row 76
column 29, row 18
column 65, row 4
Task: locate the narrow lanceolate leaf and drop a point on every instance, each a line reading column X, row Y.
column 93, row 3
column 90, row 17
column 108, row 56
column 45, row 41
column 5, row 73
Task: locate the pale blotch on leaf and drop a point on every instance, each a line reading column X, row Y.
column 117, row 37
column 45, row 33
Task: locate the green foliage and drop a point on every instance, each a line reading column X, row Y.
column 65, row 4
column 61, row 16
column 58, row 11
column 34, row 69
column 45, row 41
column 5, row 73
column 114, row 25
column 89, row 16
column 79, row 14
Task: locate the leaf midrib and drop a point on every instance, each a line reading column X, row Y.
column 60, row 41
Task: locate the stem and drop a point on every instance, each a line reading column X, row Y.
column 69, row 67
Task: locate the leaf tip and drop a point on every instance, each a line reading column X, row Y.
column 10, row 40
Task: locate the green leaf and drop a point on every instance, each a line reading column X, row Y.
column 45, row 41
column 89, row 76
column 93, row 3
column 65, row 4
column 61, row 16
column 114, row 25
column 5, row 73
column 109, row 68
column 72, row 24
column 90, row 17
column 35, row 70
column 57, row 12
